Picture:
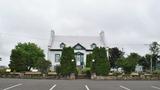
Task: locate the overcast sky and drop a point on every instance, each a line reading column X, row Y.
column 128, row 24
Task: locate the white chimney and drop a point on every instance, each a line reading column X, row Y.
column 102, row 38
column 51, row 39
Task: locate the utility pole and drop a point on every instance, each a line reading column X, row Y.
column 151, row 63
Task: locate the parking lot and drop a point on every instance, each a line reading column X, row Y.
column 28, row 84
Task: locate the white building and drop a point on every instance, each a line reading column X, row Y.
column 138, row 68
column 82, row 45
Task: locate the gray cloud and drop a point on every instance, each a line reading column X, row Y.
column 127, row 24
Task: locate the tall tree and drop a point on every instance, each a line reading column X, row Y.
column 129, row 63
column 89, row 60
column 155, row 50
column 145, row 62
column 25, row 56
column 114, row 55
column 68, row 63
column 101, row 65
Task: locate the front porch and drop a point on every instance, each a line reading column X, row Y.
column 79, row 57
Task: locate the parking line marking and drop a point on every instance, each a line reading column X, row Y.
column 87, row 87
column 12, row 86
column 124, row 87
column 53, row 87
column 155, row 87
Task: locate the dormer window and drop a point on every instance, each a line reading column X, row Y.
column 62, row 45
column 93, row 45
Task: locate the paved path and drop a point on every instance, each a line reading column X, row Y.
column 31, row 84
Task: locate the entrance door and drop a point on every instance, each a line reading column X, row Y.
column 79, row 59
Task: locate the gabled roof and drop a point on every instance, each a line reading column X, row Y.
column 85, row 41
column 79, row 45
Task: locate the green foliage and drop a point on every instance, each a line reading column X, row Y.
column 43, row 65
column 87, row 71
column 89, row 60
column 2, row 71
column 83, row 71
column 145, row 62
column 58, row 70
column 67, row 65
column 156, row 72
column 101, row 65
column 114, row 55
column 155, row 50
column 25, row 56
column 128, row 64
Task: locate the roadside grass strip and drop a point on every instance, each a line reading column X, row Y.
column 53, row 87
column 87, row 87
column 156, row 87
column 12, row 86
column 124, row 87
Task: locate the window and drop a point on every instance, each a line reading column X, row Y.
column 57, row 57
column 78, row 47
column 93, row 45
column 62, row 45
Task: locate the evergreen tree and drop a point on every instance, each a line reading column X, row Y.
column 101, row 65
column 68, row 63
column 89, row 60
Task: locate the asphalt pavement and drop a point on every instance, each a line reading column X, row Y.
column 35, row 84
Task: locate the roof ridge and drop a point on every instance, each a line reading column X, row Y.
column 74, row 36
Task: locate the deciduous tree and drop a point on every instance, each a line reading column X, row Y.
column 128, row 64
column 114, row 55
column 25, row 56
column 155, row 50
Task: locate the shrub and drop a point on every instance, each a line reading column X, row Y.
column 58, row 70
column 2, row 71
column 156, row 72
column 101, row 65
